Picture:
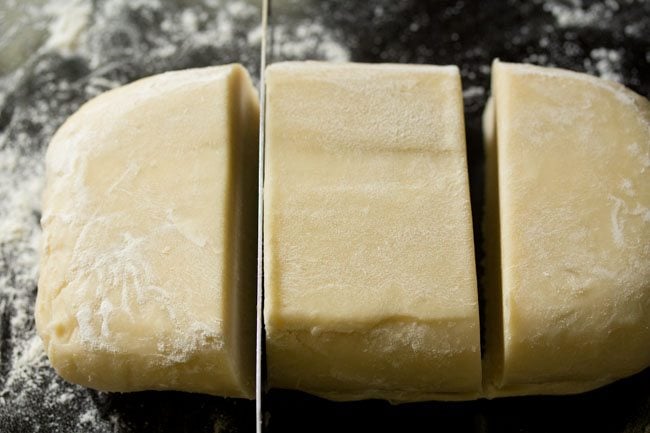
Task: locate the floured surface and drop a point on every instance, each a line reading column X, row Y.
column 574, row 188
column 127, row 41
column 602, row 37
column 369, row 263
column 41, row 84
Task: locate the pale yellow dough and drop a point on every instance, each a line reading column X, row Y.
column 568, row 232
column 370, row 286
column 148, row 260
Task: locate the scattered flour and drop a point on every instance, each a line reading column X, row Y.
column 599, row 51
column 55, row 55
column 606, row 63
column 576, row 13
column 307, row 40
column 69, row 20
column 65, row 397
column 89, row 416
column 473, row 92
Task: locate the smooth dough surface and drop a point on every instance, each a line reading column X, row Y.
column 369, row 261
column 147, row 274
column 568, row 232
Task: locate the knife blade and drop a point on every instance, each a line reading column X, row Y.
column 260, row 370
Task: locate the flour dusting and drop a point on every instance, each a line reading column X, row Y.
column 54, row 56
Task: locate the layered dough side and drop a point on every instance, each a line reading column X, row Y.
column 369, row 262
column 148, row 260
column 567, row 232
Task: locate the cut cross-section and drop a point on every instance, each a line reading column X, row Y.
column 369, row 260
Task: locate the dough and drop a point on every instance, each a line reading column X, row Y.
column 148, row 259
column 568, row 245
column 370, row 285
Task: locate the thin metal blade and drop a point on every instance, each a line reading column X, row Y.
column 260, row 372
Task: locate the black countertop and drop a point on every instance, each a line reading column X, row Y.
column 47, row 71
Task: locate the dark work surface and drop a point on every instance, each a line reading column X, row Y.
column 126, row 40
column 621, row 407
column 41, row 83
column 609, row 39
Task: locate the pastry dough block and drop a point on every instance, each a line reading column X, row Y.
column 568, row 232
column 148, row 259
column 370, row 285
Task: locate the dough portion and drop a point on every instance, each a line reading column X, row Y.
column 148, row 259
column 370, row 285
column 568, row 245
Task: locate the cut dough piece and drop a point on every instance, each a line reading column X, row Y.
column 569, row 261
column 148, row 260
column 369, row 260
